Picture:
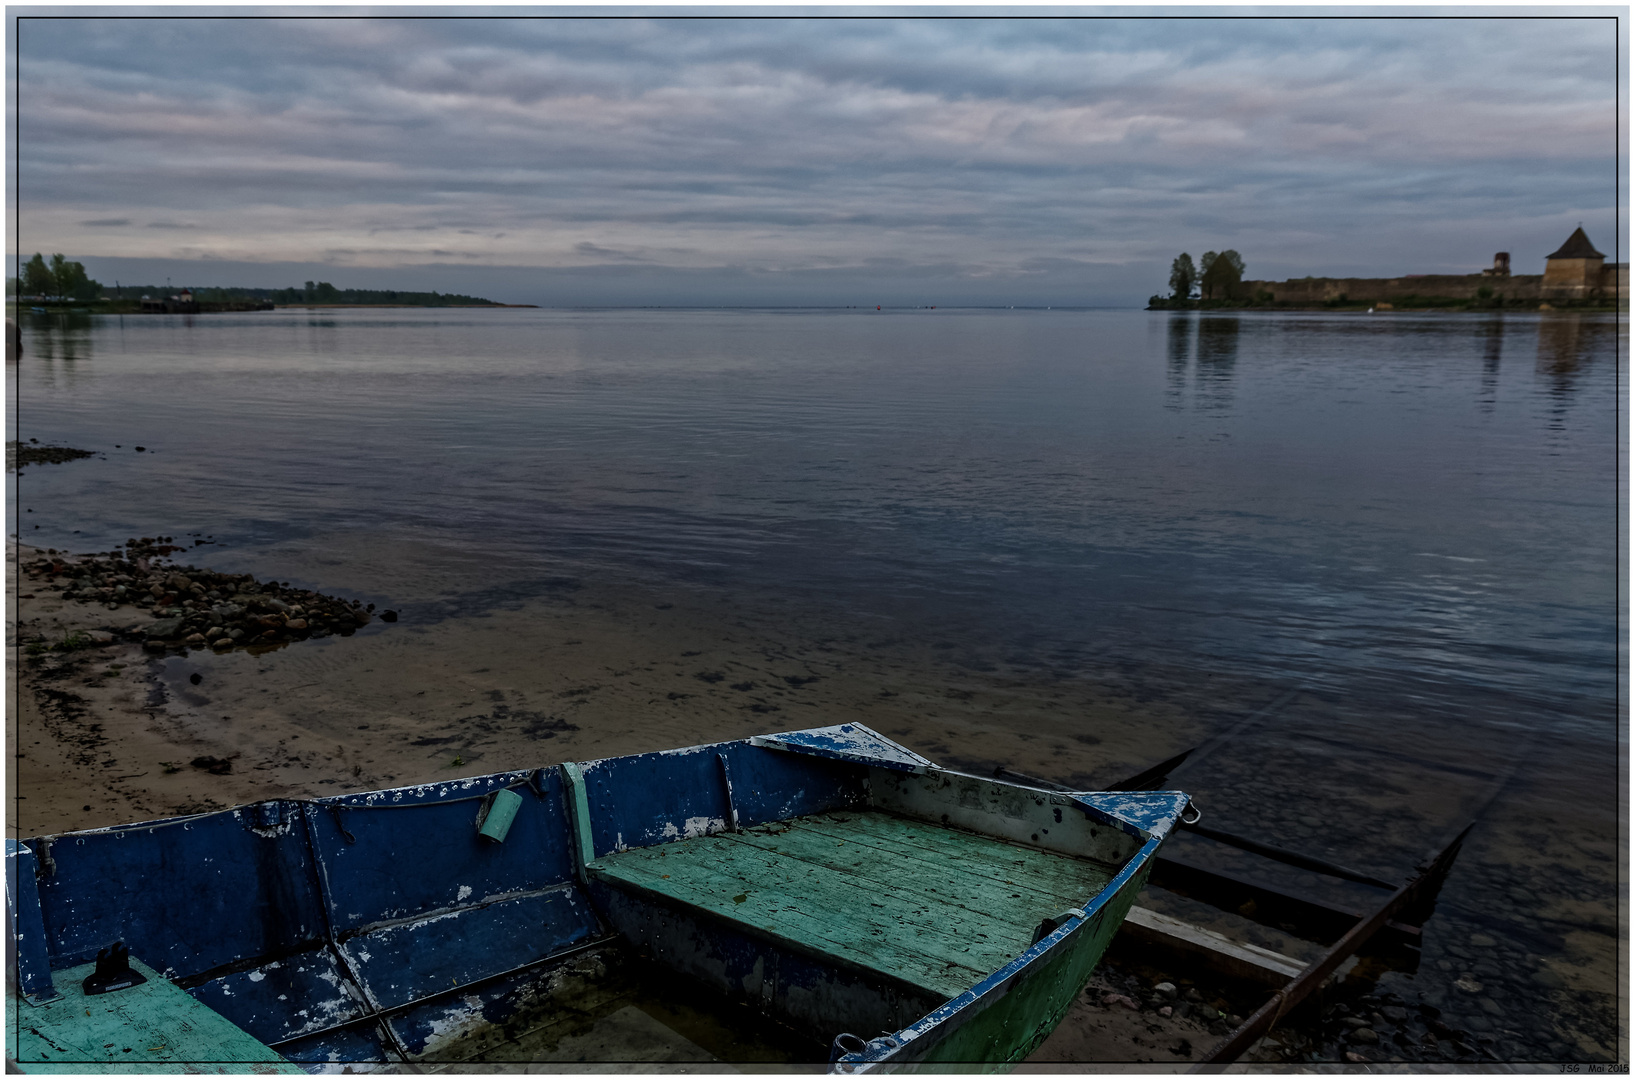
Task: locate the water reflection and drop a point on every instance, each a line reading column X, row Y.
column 52, row 345
column 1492, row 338
column 1217, row 359
column 1568, row 343
column 64, row 335
column 1180, row 352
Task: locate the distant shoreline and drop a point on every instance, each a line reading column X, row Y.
column 209, row 307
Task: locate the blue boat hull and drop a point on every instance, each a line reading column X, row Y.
column 386, row 926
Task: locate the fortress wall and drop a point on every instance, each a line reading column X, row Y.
column 1430, row 286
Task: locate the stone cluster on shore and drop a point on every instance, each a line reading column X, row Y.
column 194, row 607
column 1349, row 1028
column 20, row 455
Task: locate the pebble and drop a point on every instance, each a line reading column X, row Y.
column 1167, row 1011
column 1128, row 1002
column 1366, row 1036
column 1468, row 985
column 1165, row 990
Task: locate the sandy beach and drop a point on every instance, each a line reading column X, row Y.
column 107, row 733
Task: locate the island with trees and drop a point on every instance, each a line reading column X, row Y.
column 1211, row 282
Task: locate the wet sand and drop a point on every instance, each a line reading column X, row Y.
column 106, row 735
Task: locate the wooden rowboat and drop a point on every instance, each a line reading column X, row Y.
column 860, row 903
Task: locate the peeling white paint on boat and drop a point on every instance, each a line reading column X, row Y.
column 692, row 827
column 460, row 1020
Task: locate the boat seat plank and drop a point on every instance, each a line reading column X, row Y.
column 155, row 1027
column 997, row 862
column 799, row 908
column 938, row 915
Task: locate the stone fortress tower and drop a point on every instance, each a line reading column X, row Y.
column 1577, row 271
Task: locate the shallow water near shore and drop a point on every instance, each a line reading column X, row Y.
column 1070, row 542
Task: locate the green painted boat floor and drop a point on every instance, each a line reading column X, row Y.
column 937, row 907
column 156, row 1027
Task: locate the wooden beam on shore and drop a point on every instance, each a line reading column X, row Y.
column 1205, row 948
column 1303, row 916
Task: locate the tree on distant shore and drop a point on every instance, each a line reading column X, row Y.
column 58, row 278
column 1220, row 273
column 1182, row 276
column 37, row 279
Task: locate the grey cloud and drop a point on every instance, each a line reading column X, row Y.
column 99, row 223
column 595, row 251
column 986, row 148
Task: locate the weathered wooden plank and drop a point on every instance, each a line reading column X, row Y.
column 813, row 903
column 151, row 1028
column 804, row 912
column 1214, row 951
column 911, row 834
column 938, row 911
column 951, row 904
column 960, row 866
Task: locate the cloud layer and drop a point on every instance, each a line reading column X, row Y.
column 1008, row 159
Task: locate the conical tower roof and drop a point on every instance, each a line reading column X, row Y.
column 1578, row 246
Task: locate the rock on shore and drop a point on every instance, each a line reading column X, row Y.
column 192, row 607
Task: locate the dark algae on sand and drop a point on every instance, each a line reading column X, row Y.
column 193, row 607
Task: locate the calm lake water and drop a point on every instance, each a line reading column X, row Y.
column 1411, row 518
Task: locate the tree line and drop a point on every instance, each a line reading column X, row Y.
column 1214, row 276
column 319, row 292
column 57, row 279
column 322, row 292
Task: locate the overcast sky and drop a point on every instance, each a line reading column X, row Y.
column 739, row 160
